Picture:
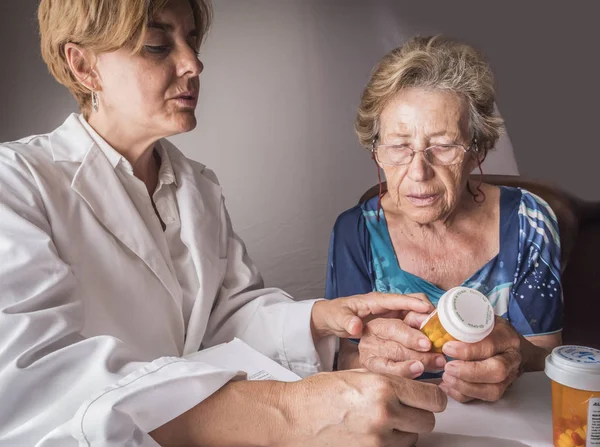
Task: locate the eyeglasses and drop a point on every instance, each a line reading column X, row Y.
column 437, row 155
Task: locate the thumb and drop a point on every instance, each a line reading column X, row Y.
column 351, row 323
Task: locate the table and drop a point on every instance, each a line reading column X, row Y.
column 523, row 417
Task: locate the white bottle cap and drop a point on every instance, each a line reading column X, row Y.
column 466, row 314
column 575, row 366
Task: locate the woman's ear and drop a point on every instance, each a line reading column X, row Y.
column 81, row 63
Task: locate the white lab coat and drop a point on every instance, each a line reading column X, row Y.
column 92, row 338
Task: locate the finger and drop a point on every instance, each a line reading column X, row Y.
column 415, row 319
column 471, row 351
column 420, row 296
column 502, row 338
column 344, row 323
column 354, row 326
column 410, row 369
column 379, row 303
column 375, row 347
column 399, row 332
column 413, row 420
column 451, row 392
column 493, row 370
column 425, row 396
column 490, row 392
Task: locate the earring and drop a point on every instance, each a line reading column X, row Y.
column 94, row 101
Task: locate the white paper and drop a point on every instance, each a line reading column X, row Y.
column 238, row 356
column 523, row 417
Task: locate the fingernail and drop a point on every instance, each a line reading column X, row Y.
column 449, row 349
column 416, row 368
column 425, row 344
column 440, row 362
column 442, row 386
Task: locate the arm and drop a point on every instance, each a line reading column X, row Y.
column 267, row 319
column 375, row 410
column 536, row 305
column 256, row 407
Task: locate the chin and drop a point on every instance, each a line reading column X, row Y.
column 425, row 216
column 182, row 122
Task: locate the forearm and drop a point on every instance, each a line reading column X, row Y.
column 242, row 413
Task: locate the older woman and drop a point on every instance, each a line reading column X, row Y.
column 427, row 116
column 119, row 260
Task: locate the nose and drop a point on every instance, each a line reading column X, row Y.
column 419, row 169
column 188, row 63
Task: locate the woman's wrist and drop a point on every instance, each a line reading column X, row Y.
column 319, row 327
column 261, row 412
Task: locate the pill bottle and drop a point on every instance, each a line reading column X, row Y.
column 574, row 372
column 462, row 314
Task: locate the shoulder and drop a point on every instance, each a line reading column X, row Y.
column 349, row 221
column 27, row 158
column 537, row 222
column 532, row 204
column 32, row 149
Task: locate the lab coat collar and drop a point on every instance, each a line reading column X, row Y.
column 70, row 141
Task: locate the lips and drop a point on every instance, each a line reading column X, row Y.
column 187, row 96
column 422, row 199
column 187, row 99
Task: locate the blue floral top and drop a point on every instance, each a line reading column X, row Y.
column 522, row 282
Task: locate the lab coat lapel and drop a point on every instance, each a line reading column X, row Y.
column 199, row 201
column 97, row 183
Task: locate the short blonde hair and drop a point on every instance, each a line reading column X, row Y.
column 101, row 26
column 434, row 63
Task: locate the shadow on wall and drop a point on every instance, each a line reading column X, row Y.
column 543, row 56
column 32, row 101
column 278, row 101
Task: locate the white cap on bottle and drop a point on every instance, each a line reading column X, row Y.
column 466, row 314
column 575, row 366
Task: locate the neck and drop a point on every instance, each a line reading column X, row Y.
column 136, row 148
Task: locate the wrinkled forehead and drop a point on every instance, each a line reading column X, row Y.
column 420, row 112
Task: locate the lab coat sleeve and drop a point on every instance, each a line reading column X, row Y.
column 58, row 388
column 267, row 319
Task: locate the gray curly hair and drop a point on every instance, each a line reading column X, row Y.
column 435, row 62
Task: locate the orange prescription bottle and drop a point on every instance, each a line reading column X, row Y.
column 575, row 375
column 462, row 314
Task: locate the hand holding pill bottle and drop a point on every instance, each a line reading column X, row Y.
column 462, row 314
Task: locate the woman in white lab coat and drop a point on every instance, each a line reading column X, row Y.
column 118, row 262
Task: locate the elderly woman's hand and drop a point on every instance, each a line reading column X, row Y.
column 484, row 370
column 386, row 343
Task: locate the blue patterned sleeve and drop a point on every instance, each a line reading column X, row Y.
column 536, row 304
column 348, row 271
